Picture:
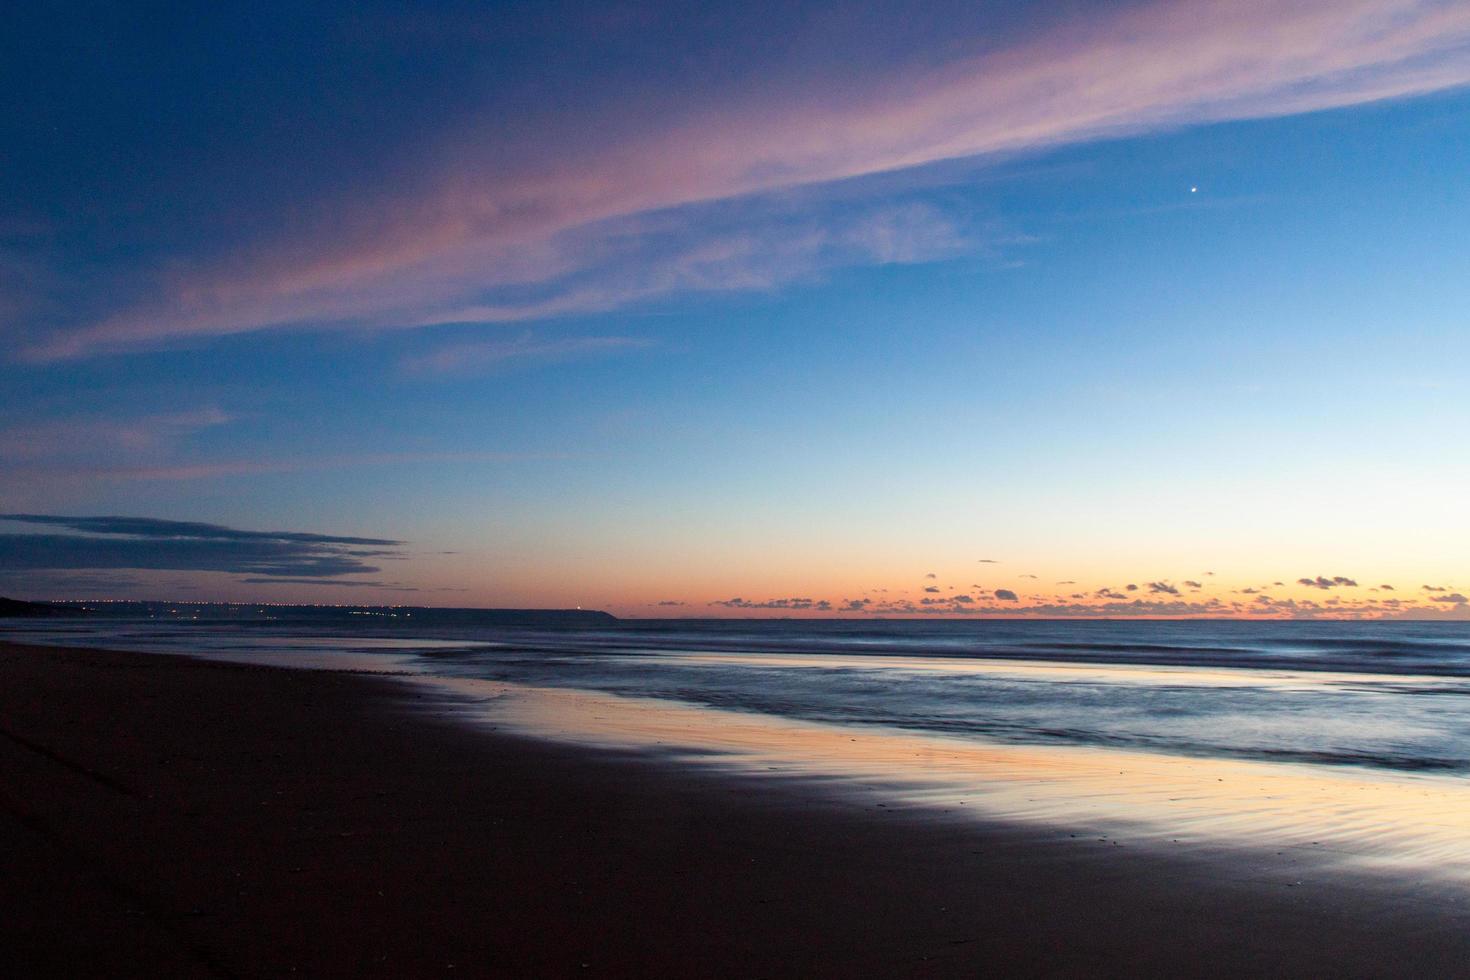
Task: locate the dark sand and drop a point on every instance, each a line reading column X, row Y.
column 167, row 817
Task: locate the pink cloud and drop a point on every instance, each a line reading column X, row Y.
column 478, row 220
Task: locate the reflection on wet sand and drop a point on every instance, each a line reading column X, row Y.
column 1354, row 817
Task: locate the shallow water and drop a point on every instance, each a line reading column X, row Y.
column 1313, row 816
column 1345, row 739
column 1381, row 695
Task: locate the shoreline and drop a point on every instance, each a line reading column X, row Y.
column 190, row 817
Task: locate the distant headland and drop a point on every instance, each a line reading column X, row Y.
column 19, row 607
column 263, row 611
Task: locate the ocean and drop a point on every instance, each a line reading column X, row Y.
column 1350, row 736
column 1392, row 695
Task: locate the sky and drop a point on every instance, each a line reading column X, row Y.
column 1047, row 309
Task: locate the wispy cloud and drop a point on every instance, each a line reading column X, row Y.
column 477, row 217
column 740, row 246
column 153, row 527
column 144, row 543
column 219, row 468
column 472, row 356
column 93, row 435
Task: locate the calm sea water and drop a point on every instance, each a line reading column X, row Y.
column 1385, row 696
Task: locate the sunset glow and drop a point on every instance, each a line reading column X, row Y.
column 746, row 329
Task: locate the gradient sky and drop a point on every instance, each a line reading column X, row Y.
column 741, row 310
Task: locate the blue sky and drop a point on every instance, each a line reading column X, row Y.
column 632, row 306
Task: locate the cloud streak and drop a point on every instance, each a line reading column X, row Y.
column 143, row 543
column 69, row 437
column 475, row 218
column 219, row 468
column 473, row 356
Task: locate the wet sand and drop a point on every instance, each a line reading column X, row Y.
column 174, row 817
